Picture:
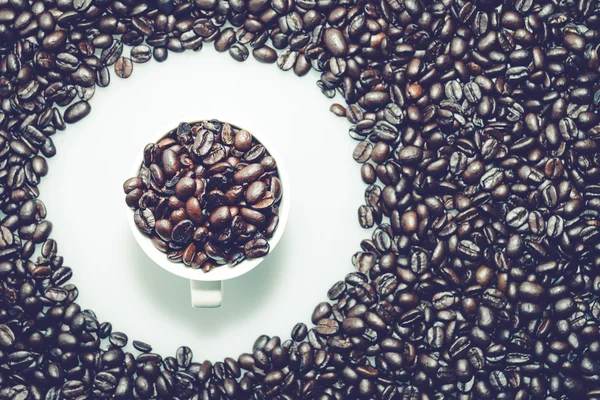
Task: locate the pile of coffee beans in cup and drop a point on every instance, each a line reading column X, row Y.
column 478, row 132
column 207, row 194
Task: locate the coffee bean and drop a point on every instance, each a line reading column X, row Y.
column 472, row 92
column 238, row 52
column 118, row 339
column 353, row 326
column 287, row 59
column 83, row 76
column 182, row 232
column 142, row 346
column 265, row 54
column 327, row 327
column 185, row 188
column 555, row 226
column 248, row 174
column 531, row 291
column 141, row 54
column 299, row 332
column 517, row 217
column 322, row 310
column 364, row 261
column 255, row 192
column 255, row 153
column 184, row 356
column 144, row 220
column 492, row 178
column 256, row 248
column 365, row 216
column 123, row 67
column 268, row 163
column 111, row 54
column 494, row 298
column 223, row 41
column 574, row 42
column 252, row 216
column 410, row 155
column 362, row 152
column 7, row 337
column 160, row 54
column 536, row 222
column 335, row 42
column 368, row 173
column 220, row 217
column 454, row 91
column 77, row 111
column 170, row 162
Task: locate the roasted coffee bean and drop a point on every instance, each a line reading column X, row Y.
column 118, row 339
column 141, row 54
column 238, row 52
column 410, row 155
column 555, row 226
column 77, row 112
column 454, row 91
column 366, row 216
column 83, row 76
column 419, row 262
column 362, row 152
column 255, row 192
column 183, row 231
column 368, row 173
column 224, row 41
column 123, row 67
column 7, row 337
column 353, row 326
column 265, row 54
column 335, row 42
column 364, row 261
column 299, row 332
column 203, row 143
column 494, row 298
column 144, row 220
column 220, row 217
column 184, row 357
column 170, row 162
column 242, row 140
column 248, row 174
column 142, row 346
column 111, row 54
column 517, row 217
column 327, row 327
column 256, row 248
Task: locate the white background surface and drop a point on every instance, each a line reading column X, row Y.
column 85, row 201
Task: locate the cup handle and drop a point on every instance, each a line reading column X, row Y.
column 206, row 294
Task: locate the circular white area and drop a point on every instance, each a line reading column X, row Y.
column 84, row 197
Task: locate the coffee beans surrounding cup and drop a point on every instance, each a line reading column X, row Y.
column 207, row 194
column 478, row 133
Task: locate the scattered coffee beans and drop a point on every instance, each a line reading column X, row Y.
column 478, row 134
column 207, row 194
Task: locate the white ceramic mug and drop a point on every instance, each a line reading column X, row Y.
column 207, row 287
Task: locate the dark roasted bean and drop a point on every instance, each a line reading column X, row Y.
column 123, row 67
column 77, row 112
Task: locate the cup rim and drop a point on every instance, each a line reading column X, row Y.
column 223, row 272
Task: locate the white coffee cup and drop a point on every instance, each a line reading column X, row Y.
column 207, row 287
